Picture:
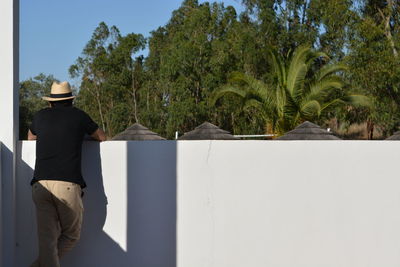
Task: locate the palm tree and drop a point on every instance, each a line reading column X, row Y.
column 305, row 87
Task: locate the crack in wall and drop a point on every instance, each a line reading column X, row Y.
column 209, row 151
column 210, row 204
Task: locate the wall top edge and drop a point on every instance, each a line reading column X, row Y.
column 238, row 141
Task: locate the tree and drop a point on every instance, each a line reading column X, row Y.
column 107, row 71
column 31, row 92
column 190, row 57
column 374, row 61
column 305, row 87
column 287, row 24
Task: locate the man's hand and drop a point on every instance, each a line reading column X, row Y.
column 31, row 136
column 99, row 135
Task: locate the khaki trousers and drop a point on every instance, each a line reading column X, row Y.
column 59, row 212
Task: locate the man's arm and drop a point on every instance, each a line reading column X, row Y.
column 99, row 135
column 31, row 136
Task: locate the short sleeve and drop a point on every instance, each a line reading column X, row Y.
column 88, row 124
column 32, row 127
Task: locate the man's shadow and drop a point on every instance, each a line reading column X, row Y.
column 94, row 241
column 150, row 214
column 150, row 170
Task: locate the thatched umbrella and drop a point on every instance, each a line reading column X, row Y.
column 137, row 132
column 207, row 131
column 395, row 136
column 308, row 131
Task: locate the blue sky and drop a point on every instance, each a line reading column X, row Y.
column 54, row 32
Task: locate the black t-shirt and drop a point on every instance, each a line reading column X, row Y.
column 60, row 131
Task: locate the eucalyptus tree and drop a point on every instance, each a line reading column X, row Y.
column 190, row 57
column 108, row 73
column 375, row 62
column 31, row 92
column 304, row 87
column 289, row 23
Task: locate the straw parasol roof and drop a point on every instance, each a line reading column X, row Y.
column 308, row 131
column 207, row 131
column 137, row 132
column 395, row 136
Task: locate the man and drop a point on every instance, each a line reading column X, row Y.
column 57, row 181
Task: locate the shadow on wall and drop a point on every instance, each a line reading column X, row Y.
column 152, row 203
column 150, row 209
column 6, row 195
column 95, row 248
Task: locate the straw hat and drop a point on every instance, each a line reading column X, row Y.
column 59, row 91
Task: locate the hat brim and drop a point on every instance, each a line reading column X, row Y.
column 57, row 99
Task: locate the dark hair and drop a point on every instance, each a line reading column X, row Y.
column 61, row 103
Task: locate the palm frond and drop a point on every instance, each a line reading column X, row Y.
column 238, row 78
column 278, row 65
column 310, row 110
column 225, row 90
column 328, row 70
column 291, row 109
column 265, row 92
column 300, row 65
column 297, row 69
column 254, row 94
column 357, row 100
column 331, row 105
column 320, row 89
column 351, row 100
column 313, row 55
column 253, row 103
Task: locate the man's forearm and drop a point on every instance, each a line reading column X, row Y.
column 99, row 135
column 31, row 136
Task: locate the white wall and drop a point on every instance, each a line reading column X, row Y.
column 9, row 50
column 238, row 203
column 288, row 203
column 130, row 205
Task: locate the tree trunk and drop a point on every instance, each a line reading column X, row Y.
column 303, row 17
column 386, row 20
column 370, row 129
column 100, row 111
column 134, row 97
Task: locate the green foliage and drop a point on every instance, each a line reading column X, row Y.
column 191, row 56
column 207, row 50
column 305, row 88
column 374, row 61
column 287, row 24
column 110, row 77
column 30, row 100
